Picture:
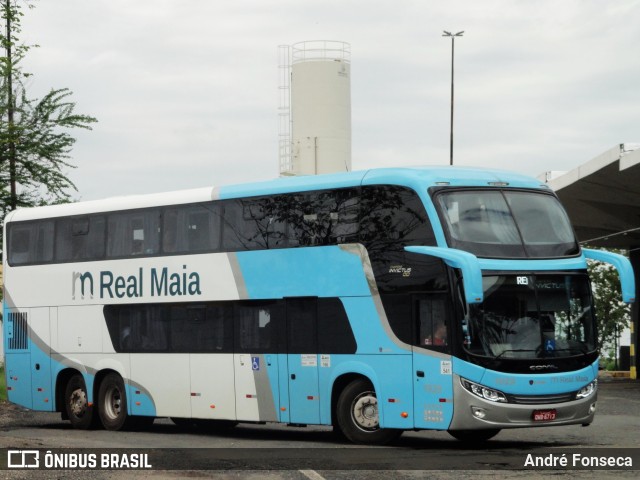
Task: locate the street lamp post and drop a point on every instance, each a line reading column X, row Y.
column 453, row 36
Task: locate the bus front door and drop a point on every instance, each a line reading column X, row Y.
column 433, row 387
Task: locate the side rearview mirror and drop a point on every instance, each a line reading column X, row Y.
column 625, row 270
column 465, row 261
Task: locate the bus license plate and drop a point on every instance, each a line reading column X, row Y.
column 544, row 415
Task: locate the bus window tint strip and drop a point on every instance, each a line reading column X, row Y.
column 243, row 326
column 380, row 217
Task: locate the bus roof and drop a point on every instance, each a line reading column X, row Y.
column 414, row 177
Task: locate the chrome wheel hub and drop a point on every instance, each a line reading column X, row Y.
column 364, row 412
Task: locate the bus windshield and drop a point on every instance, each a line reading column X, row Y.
column 532, row 317
column 507, row 223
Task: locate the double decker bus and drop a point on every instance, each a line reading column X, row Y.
column 377, row 301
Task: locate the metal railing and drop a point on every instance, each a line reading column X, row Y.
column 312, row 50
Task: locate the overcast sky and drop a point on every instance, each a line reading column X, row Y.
column 186, row 91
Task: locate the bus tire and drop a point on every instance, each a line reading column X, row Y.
column 112, row 402
column 357, row 415
column 79, row 412
column 474, row 436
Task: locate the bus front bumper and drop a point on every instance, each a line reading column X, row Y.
column 474, row 413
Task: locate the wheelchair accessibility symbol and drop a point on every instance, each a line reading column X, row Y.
column 255, row 363
column 549, row 345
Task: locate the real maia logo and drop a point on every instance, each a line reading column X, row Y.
column 156, row 283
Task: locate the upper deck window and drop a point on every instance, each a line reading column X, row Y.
column 507, row 224
column 135, row 233
column 31, row 242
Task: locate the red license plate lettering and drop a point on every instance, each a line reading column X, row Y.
column 544, row 415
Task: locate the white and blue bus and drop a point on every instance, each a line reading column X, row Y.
column 377, row 301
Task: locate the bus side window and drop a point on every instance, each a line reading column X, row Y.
column 201, row 328
column 80, row 238
column 258, row 326
column 192, row 228
column 237, row 234
column 398, row 310
column 218, row 335
column 302, row 327
column 148, row 329
column 345, row 214
column 253, row 224
column 137, row 229
column 393, row 217
column 30, row 242
column 432, row 322
column 133, row 233
column 21, row 251
column 125, row 338
column 335, row 334
column 323, row 218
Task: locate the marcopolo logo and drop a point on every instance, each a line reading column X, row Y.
column 157, row 282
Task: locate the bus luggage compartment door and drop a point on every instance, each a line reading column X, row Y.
column 212, row 386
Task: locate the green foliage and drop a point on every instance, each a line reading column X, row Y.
column 40, row 146
column 609, row 362
column 613, row 315
column 35, row 142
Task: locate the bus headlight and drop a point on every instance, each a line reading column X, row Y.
column 483, row 392
column 587, row 390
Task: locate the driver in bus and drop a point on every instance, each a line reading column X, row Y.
column 439, row 336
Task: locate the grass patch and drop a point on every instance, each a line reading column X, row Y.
column 3, row 385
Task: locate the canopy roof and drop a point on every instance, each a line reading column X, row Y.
column 602, row 198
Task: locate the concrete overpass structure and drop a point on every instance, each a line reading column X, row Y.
column 602, row 198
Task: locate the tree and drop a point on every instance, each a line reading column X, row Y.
column 35, row 142
column 612, row 314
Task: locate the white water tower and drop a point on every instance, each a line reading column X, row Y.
column 315, row 108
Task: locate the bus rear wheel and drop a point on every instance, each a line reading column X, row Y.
column 357, row 415
column 79, row 411
column 112, row 402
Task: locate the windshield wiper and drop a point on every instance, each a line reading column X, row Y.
column 515, row 350
column 581, row 347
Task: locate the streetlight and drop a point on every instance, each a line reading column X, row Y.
column 453, row 36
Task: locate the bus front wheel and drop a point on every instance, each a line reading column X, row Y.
column 112, row 404
column 357, row 415
column 78, row 409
